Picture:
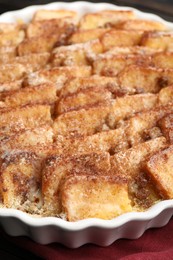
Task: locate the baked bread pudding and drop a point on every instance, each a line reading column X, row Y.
column 86, row 115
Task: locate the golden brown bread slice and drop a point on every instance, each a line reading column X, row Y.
column 12, row 38
column 11, row 85
column 32, row 62
column 110, row 65
column 129, row 163
column 69, row 57
column 134, row 50
column 9, row 27
column 76, row 54
column 158, row 40
column 120, row 38
column 49, row 26
column 133, row 161
column 6, row 57
column 144, row 125
column 104, row 18
column 163, row 60
column 166, row 125
column 29, row 139
column 54, row 14
column 81, row 36
column 145, row 78
column 45, row 41
column 139, row 128
column 95, row 119
column 16, row 68
column 82, row 99
column 127, row 106
column 79, row 84
column 20, row 181
column 165, row 95
column 41, row 94
column 57, row 167
column 159, row 169
column 11, row 72
column 37, row 44
column 140, row 24
column 111, row 141
column 94, row 196
column 57, row 76
column 83, row 122
column 7, row 53
column 24, row 118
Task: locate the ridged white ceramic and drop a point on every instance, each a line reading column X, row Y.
column 75, row 234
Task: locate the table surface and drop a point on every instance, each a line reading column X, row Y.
column 149, row 245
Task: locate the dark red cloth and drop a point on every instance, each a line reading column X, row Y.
column 154, row 244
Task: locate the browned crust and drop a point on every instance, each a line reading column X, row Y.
column 85, row 111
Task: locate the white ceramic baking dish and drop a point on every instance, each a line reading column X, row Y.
column 74, row 234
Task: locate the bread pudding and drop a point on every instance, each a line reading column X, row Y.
column 86, row 116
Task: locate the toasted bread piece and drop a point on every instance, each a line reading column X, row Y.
column 37, row 45
column 163, row 60
column 56, row 168
column 54, row 14
column 159, row 169
column 20, row 181
column 49, row 27
column 7, row 53
column 158, row 40
column 43, row 94
column 136, row 130
column 11, row 85
column 111, row 65
column 11, row 72
column 166, row 95
column 111, row 141
column 139, row 24
column 145, row 78
column 58, row 75
column 9, row 27
column 95, row 119
column 129, row 163
column 139, row 127
column 166, row 125
column 12, row 38
column 101, row 196
column 51, row 37
column 120, row 38
column 82, row 122
column 104, row 18
column 24, row 118
column 127, row 106
column 79, row 84
column 81, row 36
column 27, row 139
column 33, row 61
column 82, row 99
column 133, row 50
column 6, row 57
column 76, row 54
column 114, row 60
column 30, row 62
